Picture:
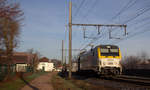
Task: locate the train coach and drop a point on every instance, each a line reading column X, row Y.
column 103, row 59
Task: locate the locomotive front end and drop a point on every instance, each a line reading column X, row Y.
column 109, row 57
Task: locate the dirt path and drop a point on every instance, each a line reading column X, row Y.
column 41, row 83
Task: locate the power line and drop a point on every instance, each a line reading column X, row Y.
column 141, row 12
column 89, row 10
column 134, row 34
column 138, row 14
column 85, row 17
column 127, row 6
column 130, row 34
column 78, row 9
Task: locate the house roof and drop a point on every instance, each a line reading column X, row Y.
column 44, row 59
column 19, row 57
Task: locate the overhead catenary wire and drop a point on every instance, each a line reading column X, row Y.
column 126, row 7
column 130, row 19
column 78, row 9
column 132, row 33
column 88, row 12
column 90, row 9
column 138, row 14
column 85, row 18
column 143, row 10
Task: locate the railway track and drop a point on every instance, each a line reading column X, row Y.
column 133, row 79
column 122, row 82
column 144, row 81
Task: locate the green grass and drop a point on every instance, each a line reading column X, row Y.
column 60, row 83
column 18, row 83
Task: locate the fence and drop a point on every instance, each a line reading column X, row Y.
column 4, row 70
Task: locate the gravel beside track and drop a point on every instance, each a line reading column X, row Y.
column 124, row 83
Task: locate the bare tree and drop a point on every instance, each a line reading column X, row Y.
column 133, row 62
column 35, row 58
column 130, row 62
column 10, row 21
column 35, row 62
column 144, row 56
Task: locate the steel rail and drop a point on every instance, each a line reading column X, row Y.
column 133, row 79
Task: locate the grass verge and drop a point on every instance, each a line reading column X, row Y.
column 60, row 83
column 19, row 83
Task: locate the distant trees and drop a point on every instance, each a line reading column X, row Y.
column 57, row 63
column 143, row 56
column 10, row 22
column 136, row 65
column 132, row 62
column 35, row 58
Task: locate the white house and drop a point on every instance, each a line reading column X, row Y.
column 45, row 64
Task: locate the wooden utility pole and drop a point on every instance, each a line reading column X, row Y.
column 65, row 58
column 62, row 62
column 70, row 38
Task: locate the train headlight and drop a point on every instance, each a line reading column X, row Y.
column 117, row 63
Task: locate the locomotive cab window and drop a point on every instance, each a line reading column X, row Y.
column 114, row 50
column 109, row 51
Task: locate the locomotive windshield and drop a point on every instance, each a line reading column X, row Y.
column 109, row 51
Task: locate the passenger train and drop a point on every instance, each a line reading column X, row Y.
column 103, row 59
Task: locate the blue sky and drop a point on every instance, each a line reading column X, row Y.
column 45, row 20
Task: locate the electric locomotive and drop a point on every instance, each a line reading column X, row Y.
column 103, row 59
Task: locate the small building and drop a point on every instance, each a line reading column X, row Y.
column 45, row 65
column 20, row 61
column 23, row 60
